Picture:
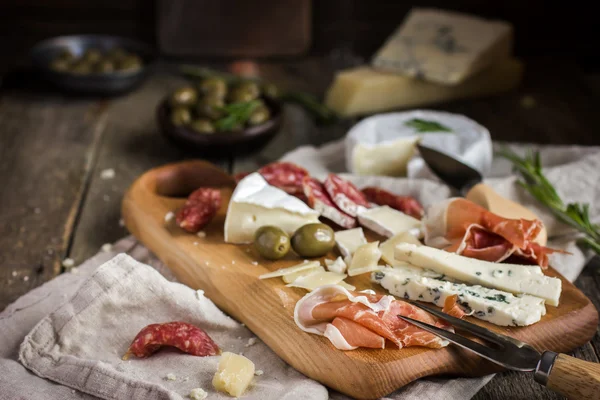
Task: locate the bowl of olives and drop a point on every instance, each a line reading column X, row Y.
column 217, row 117
column 93, row 64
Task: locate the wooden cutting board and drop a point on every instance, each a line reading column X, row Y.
column 230, row 279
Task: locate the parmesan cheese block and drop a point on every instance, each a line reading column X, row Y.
column 444, row 47
column 387, row 248
column 388, row 222
column 516, row 279
column 364, row 90
column 234, row 374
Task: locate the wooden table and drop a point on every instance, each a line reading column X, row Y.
column 55, row 204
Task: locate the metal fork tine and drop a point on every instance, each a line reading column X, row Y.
column 472, row 328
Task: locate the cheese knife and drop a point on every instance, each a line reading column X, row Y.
column 569, row 376
column 469, row 183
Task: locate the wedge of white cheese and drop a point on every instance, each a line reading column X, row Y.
column 512, row 278
column 387, row 248
column 255, row 203
column 348, row 241
column 386, row 221
column 365, row 259
column 498, row 307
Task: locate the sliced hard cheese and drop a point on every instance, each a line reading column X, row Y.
column 347, row 286
column 313, row 281
column 349, row 241
column 498, row 307
column 364, row 270
column 388, row 222
column 443, row 46
column 338, row 265
column 255, row 203
column 234, row 374
column 387, row 248
column 291, row 270
column 289, row 278
column 364, row 90
column 508, row 277
column 366, row 256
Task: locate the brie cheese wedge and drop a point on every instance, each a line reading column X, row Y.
column 388, row 222
column 255, row 203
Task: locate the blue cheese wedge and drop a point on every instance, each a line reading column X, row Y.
column 498, row 307
column 444, row 47
column 388, row 222
column 516, row 279
column 255, row 203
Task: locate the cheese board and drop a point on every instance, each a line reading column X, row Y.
column 229, row 275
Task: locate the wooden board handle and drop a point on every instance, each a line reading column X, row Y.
column 487, row 197
column 573, row 378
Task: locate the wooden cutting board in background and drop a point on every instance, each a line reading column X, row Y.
column 230, row 279
column 233, row 28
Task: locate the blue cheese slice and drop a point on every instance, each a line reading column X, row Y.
column 516, row 279
column 443, row 46
column 386, row 221
column 498, row 307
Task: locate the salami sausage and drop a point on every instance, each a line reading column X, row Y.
column 345, row 195
column 285, row 176
column 319, row 200
column 199, row 209
column 186, row 337
column 408, row 205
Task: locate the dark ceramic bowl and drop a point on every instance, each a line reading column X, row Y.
column 112, row 83
column 222, row 143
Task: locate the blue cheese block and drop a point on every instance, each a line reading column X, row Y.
column 444, row 47
column 496, row 306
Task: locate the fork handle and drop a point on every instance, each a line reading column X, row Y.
column 569, row 376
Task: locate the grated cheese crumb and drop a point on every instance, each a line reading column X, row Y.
column 74, row 270
column 171, row 377
column 107, row 173
column 107, row 247
column 68, row 262
column 199, row 293
column 258, row 372
column 254, row 262
column 251, row 342
column 198, row 394
column 25, row 278
column 14, row 273
column 201, row 234
column 169, row 216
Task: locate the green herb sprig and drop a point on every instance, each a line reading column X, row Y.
column 236, row 115
column 422, row 126
column 533, row 180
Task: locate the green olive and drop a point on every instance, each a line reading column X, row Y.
column 130, row 62
column 259, row 116
column 116, row 54
column 202, row 126
column 185, row 96
column 313, row 240
column 81, row 67
column 104, row 66
column 210, row 107
column 60, row 65
column 214, row 87
column 244, row 92
column 66, row 55
column 270, row 90
column 271, row 242
column 181, row 116
column 92, row 55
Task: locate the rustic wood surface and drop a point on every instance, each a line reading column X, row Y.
column 55, row 205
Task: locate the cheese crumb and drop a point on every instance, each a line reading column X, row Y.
column 198, row 394
column 169, row 216
column 14, row 273
column 251, row 342
column 171, row 377
column 74, row 270
column 199, row 293
column 68, row 262
column 106, row 247
column 201, row 234
column 25, row 278
column 254, row 262
column 108, row 173
column 259, row 372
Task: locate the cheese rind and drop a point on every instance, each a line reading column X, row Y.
column 234, row 374
column 388, row 222
column 387, row 248
column 444, row 47
column 516, row 279
column 255, row 203
column 498, row 307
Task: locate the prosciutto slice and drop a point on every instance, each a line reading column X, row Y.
column 351, row 319
column 460, row 226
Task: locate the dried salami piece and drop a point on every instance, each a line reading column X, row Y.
column 345, row 195
column 199, row 209
column 406, row 204
column 210, row 196
column 319, row 200
column 186, row 337
column 285, row 176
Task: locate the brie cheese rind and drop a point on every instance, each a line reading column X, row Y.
column 388, row 222
column 349, row 241
column 255, row 203
column 516, row 279
column 498, row 307
column 387, row 248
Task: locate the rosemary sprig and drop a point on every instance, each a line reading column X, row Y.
column 236, row 115
column 533, row 180
column 422, row 125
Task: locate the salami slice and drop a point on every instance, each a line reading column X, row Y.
column 199, row 209
column 406, row 204
column 285, row 176
column 320, row 201
column 345, row 195
column 186, row 337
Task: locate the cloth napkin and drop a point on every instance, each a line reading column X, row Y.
column 74, row 329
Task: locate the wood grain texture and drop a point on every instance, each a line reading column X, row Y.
column 575, row 379
column 46, row 150
column 226, row 273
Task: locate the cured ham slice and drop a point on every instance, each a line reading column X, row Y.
column 336, row 313
column 452, row 308
column 463, row 227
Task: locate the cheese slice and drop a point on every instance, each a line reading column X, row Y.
column 443, row 46
column 255, row 203
column 512, row 278
column 498, row 307
column 289, row 278
column 387, row 248
column 388, row 222
column 364, row 270
column 346, row 286
column 349, row 241
column 366, row 256
column 338, row 265
column 318, row 279
column 234, row 374
column 290, row 270
column 363, row 90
